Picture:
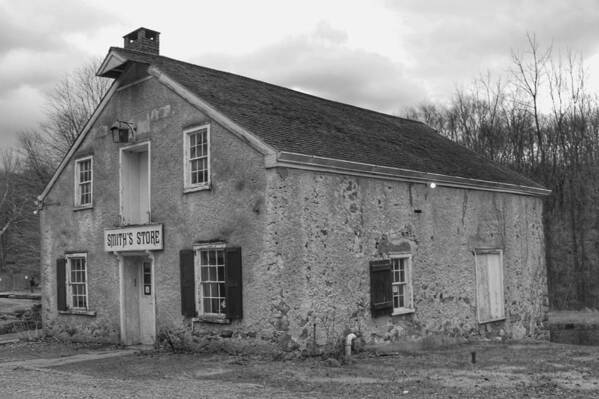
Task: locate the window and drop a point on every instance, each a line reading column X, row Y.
column 211, row 282
column 489, row 285
column 402, row 284
column 84, row 182
column 210, row 267
column 76, row 275
column 391, row 285
column 197, row 158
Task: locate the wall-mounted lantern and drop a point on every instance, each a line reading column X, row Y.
column 122, row 132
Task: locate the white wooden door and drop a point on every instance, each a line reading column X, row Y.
column 135, row 185
column 489, row 285
column 130, row 307
column 147, row 322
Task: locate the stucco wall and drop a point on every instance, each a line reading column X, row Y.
column 323, row 230
column 306, row 238
column 232, row 210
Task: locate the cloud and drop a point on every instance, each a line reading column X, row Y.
column 36, row 52
column 321, row 63
column 42, row 24
column 456, row 41
column 21, row 109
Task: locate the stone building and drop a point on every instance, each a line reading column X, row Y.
column 199, row 200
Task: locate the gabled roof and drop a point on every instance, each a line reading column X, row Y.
column 313, row 133
column 299, row 123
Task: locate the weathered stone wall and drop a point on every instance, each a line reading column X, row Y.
column 306, row 238
column 323, row 230
column 232, row 210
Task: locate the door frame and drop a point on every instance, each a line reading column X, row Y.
column 139, row 254
column 136, row 147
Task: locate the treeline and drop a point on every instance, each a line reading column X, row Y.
column 27, row 168
column 543, row 121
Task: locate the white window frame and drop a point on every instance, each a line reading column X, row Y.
column 409, row 295
column 69, row 283
column 78, row 182
column 501, row 290
column 188, row 186
column 198, row 278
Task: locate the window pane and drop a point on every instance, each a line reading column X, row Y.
column 215, row 305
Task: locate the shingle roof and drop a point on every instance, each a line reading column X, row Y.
column 292, row 121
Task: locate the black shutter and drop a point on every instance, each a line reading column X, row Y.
column 61, row 283
column 188, row 298
column 233, row 283
column 381, row 296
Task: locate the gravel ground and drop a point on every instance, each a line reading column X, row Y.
column 525, row 370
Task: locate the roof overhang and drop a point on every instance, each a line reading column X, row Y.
column 331, row 165
column 112, row 66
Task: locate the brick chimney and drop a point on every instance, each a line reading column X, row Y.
column 144, row 40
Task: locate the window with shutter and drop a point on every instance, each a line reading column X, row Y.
column 217, row 278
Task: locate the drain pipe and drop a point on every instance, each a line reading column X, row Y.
column 348, row 341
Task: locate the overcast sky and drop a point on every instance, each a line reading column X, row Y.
column 380, row 54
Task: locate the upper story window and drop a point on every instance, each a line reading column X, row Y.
column 84, row 181
column 196, row 143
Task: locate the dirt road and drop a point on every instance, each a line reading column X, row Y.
column 535, row 370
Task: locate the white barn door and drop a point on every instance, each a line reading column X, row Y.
column 489, row 285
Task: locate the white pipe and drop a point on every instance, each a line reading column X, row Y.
column 348, row 341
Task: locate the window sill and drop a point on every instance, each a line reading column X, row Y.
column 211, row 319
column 82, row 207
column 502, row 318
column 78, row 312
column 192, row 189
column 400, row 312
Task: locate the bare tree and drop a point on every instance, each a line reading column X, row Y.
column 23, row 177
column 68, row 108
column 544, row 123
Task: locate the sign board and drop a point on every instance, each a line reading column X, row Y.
column 137, row 238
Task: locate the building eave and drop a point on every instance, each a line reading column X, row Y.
column 112, row 66
column 331, row 165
